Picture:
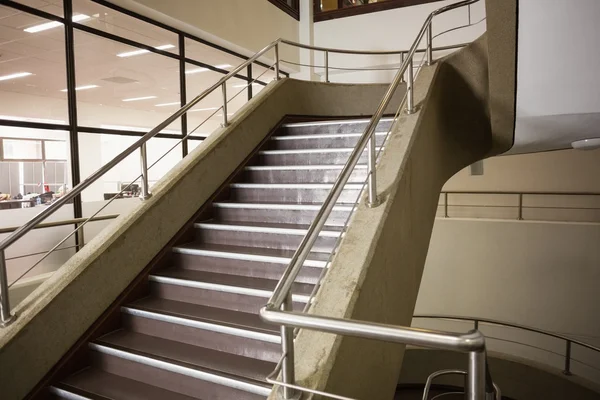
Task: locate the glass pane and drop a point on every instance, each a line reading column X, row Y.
column 22, row 149
column 207, row 115
column 209, row 55
column 111, row 21
column 55, row 150
column 129, row 93
column 50, row 6
column 32, row 71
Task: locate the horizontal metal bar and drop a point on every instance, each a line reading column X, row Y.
column 466, row 342
column 368, row 52
column 523, row 192
column 510, row 325
column 62, row 223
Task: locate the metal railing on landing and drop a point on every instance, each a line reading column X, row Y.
column 279, row 308
column 6, row 316
column 569, row 342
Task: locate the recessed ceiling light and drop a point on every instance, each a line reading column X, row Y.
column 14, row 76
column 175, row 103
column 587, row 144
column 54, row 24
column 195, row 71
column 143, row 51
column 82, row 88
column 205, row 109
column 139, row 98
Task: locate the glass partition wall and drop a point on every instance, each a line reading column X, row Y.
column 74, row 92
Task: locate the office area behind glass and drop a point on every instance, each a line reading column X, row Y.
column 75, row 93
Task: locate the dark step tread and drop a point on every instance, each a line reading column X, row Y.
column 315, row 206
column 194, row 312
column 194, row 356
column 229, row 280
column 255, row 251
column 97, row 384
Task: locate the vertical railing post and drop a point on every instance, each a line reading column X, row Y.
column 410, row 106
column 402, row 80
column 80, row 227
column 429, row 49
column 476, row 376
column 326, row 66
column 287, row 346
column 446, row 205
column 5, row 316
column 224, row 89
column 277, row 61
column 372, row 160
column 145, row 195
column 476, row 324
column 567, row 370
column 520, row 217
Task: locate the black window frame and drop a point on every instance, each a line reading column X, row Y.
column 293, row 11
column 343, row 12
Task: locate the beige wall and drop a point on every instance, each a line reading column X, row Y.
column 558, row 171
column 542, row 274
column 237, row 24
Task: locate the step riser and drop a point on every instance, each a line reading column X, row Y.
column 233, row 344
column 211, row 298
column 260, row 239
column 168, row 380
column 293, row 196
column 359, row 127
column 253, row 269
column 338, row 158
column 336, row 218
column 319, row 143
column 301, row 176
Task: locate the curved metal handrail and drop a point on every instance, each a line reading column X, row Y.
column 477, row 320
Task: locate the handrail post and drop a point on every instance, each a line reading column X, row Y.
column 145, row 195
column 520, row 217
column 429, row 44
column 410, row 106
column 326, row 66
column 402, row 80
column 374, row 200
column 287, row 347
column 224, row 89
column 567, row 370
column 446, row 205
column 5, row 316
column 277, row 61
column 476, row 377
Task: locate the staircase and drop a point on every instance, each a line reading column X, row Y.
column 198, row 334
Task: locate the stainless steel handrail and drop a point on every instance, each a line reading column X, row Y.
column 279, row 310
column 497, row 394
column 65, row 222
column 5, row 316
column 476, row 320
column 519, row 206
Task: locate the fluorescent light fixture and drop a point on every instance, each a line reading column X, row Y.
column 14, row 76
column 143, row 51
column 136, row 129
column 243, row 86
column 43, row 120
column 139, row 98
column 205, row 109
column 54, row 24
column 195, row 71
column 175, row 103
column 86, row 87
